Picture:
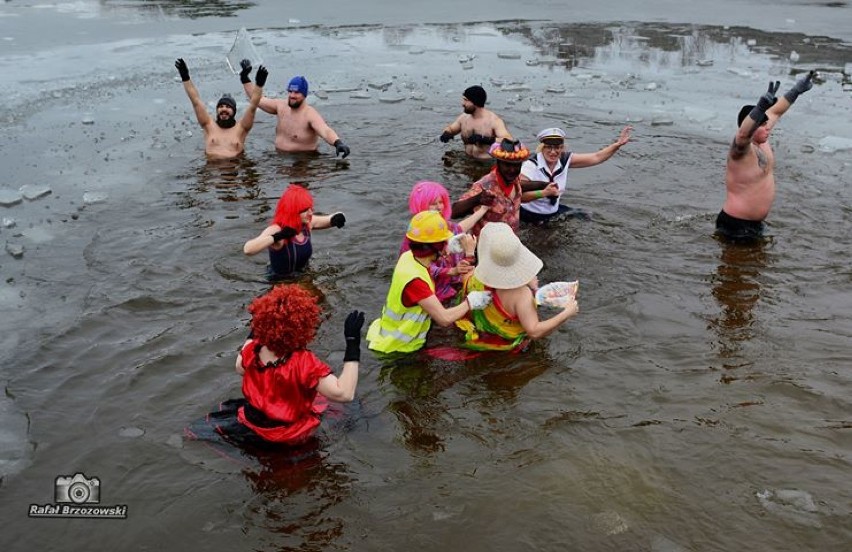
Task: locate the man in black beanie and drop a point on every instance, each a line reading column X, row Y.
column 479, row 127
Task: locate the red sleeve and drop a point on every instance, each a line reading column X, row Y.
column 248, row 354
column 474, row 189
column 311, row 369
column 415, row 291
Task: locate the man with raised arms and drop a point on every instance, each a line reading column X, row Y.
column 479, row 127
column 225, row 137
column 299, row 126
column 749, row 175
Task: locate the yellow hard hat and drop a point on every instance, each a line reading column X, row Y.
column 428, row 227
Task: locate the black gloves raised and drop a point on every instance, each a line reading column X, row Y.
column 284, row 234
column 244, row 74
column 260, row 76
column 182, row 69
column 338, row 220
column 802, row 85
column 340, row 147
column 352, row 333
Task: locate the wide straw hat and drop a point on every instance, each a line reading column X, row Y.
column 504, row 262
column 428, row 227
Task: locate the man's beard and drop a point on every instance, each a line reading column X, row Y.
column 295, row 104
column 470, row 110
column 226, row 123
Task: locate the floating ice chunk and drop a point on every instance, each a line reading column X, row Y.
column 382, row 84
column 418, row 96
column 508, row 55
column 536, row 108
column 751, row 42
column 342, row 89
column 321, row 94
column 555, row 90
column 661, row 120
column 792, row 504
column 467, row 66
column 88, row 120
column 794, row 56
column 34, row 192
column 515, row 87
column 37, row 234
column 361, row 95
column 467, row 58
column 651, row 86
column 16, row 250
column 91, row 198
column 294, row 21
column 8, row 222
column 699, row 115
column 833, row 144
column 391, row 99
column 740, row 72
column 131, row 432
column 847, row 69
column 9, row 197
column 417, row 50
column 242, row 49
column 704, row 62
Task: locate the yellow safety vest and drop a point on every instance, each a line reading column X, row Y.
column 401, row 329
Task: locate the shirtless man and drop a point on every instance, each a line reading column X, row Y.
column 226, row 138
column 479, row 127
column 299, row 125
column 749, row 178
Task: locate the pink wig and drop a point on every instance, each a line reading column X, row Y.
column 425, row 193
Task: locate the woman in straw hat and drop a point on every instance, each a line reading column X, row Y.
column 506, row 268
column 411, row 304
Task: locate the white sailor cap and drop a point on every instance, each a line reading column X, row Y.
column 551, row 134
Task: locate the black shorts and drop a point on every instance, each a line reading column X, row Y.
column 737, row 229
column 563, row 213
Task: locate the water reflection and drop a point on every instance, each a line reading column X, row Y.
column 737, row 288
column 179, row 8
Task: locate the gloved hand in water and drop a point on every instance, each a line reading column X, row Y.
column 445, row 137
column 340, row 147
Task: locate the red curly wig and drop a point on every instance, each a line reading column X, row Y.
column 293, row 201
column 285, row 319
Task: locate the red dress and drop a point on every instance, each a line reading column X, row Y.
column 284, row 404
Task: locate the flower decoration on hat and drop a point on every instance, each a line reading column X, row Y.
column 510, row 151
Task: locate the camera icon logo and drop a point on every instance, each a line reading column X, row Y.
column 77, row 489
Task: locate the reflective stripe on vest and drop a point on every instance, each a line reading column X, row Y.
column 401, row 328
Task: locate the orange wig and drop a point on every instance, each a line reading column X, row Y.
column 293, row 202
column 285, row 319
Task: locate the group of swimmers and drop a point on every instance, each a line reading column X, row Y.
column 476, row 274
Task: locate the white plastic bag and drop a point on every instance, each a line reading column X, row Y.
column 556, row 294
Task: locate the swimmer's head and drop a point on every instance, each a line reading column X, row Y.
column 475, row 95
column 424, row 194
column 293, row 202
column 223, row 119
column 746, row 109
column 285, row 319
column 297, row 86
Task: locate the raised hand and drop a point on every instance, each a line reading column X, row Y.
column 340, row 147
column 352, row 334
column 802, row 85
column 260, row 76
column 183, row 70
column 624, row 137
column 338, row 220
column 768, row 100
column 244, row 74
column 284, row 234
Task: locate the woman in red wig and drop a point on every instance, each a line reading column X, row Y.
column 281, row 377
column 288, row 237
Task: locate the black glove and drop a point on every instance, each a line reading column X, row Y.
column 802, row 85
column 182, row 69
column 338, row 220
column 445, row 137
column 260, row 76
column 244, row 74
column 284, row 234
column 765, row 102
column 352, row 333
column 340, row 147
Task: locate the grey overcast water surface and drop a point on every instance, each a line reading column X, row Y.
column 700, row 400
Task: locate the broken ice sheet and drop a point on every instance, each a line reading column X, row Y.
column 242, row 49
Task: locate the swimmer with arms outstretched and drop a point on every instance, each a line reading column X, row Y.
column 225, row 137
column 479, row 127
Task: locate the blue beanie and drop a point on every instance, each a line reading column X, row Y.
column 298, row 84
